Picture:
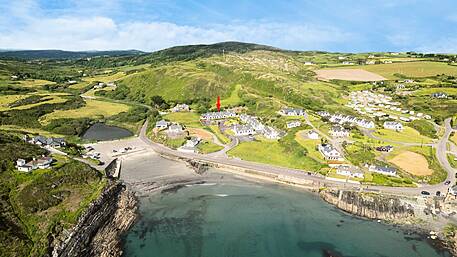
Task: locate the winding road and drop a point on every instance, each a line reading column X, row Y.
column 317, row 179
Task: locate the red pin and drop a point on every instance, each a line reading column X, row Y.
column 218, row 103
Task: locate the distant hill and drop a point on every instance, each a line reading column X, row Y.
column 60, row 54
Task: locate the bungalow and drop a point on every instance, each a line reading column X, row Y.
column 393, row 125
column 175, row 129
column 40, row 163
column 292, row 112
column 253, row 122
column 72, row 82
column 110, row 84
column 439, row 95
column 218, row 115
column 271, row 133
column 38, row 140
column 388, row 171
column 339, row 131
column 309, row 63
column 99, row 85
column 370, row 62
column 181, row 108
column 386, row 148
column 14, row 77
column 55, row 142
column 190, row 145
column 349, row 171
column 243, row 130
column 22, row 166
column 293, row 124
column 313, row 134
column 162, row 124
column 329, row 152
column 387, row 62
column 323, row 113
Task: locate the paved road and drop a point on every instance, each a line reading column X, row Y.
column 293, row 173
column 441, row 152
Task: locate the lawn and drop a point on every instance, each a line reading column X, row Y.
column 410, row 69
column 408, row 135
column 189, row 119
column 217, row 132
column 310, row 145
column 93, row 109
column 208, row 147
column 273, row 153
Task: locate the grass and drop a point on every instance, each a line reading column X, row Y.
column 8, row 99
column 217, row 132
column 408, row 135
column 189, row 119
column 208, row 147
column 35, row 83
column 234, row 98
column 93, row 109
column 410, row 69
column 310, row 145
column 273, row 153
column 102, row 78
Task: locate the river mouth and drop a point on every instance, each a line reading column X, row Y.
column 103, row 132
column 233, row 217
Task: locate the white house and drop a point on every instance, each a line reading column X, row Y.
column 181, row 108
column 175, row 129
column 349, row 171
column 370, row 62
column 271, row 133
column 218, row 115
column 243, row 130
column 313, row 134
column 329, row 152
column 338, row 131
column 393, row 125
column 162, row 124
column 190, row 145
column 292, row 112
column 293, row 124
column 388, row 171
column 439, row 95
column 453, row 190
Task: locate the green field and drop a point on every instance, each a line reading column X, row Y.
column 93, row 109
column 208, row 147
column 189, row 119
column 410, row 69
column 408, row 135
column 273, row 153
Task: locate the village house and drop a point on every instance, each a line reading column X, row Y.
column 329, row 152
column 293, row 124
column 313, row 134
column 349, row 171
column 181, row 108
column 370, row 62
column 439, row 95
column 453, row 190
column 162, row 124
column 52, row 141
column 110, row 84
column 292, row 112
column 388, row 171
column 40, row 163
column 218, row 115
column 387, row 62
column 14, row 77
column 99, row 85
column 271, row 133
column 309, row 63
column 339, row 131
column 72, row 82
column 175, row 129
column 190, row 145
column 393, row 125
column 347, row 63
column 243, row 130
column 253, row 122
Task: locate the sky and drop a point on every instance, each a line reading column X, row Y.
column 150, row 25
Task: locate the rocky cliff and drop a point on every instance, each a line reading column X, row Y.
column 98, row 230
column 371, row 206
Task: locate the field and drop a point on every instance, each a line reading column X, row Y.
column 93, row 109
column 408, row 135
column 412, row 163
column 201, row 133
column 101, row 78
column 208, row 147
column 217, row 132
column 234, row 98
column 272, row 153
column 411, row 69
column 348, row 74
column 310, row 145
column 189, row 119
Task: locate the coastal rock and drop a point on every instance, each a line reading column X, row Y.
column 99, row 228
column 371, row 206
column 197, row 166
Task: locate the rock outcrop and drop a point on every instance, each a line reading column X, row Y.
column 98, row 230
column 367, row 205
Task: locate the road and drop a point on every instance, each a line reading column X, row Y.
column 318, row 179
column 441, row 152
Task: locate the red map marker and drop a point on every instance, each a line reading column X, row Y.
column 218, row 103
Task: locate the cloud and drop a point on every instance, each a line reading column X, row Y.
column 102, row 33
column 440, row 45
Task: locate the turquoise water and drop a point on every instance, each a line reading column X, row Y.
column 247, row 219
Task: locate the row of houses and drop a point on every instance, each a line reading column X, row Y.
column 181, row 108
column 356, row 172
column 43, row 162
column 218, row 115
column 253, row 126
column 338, row 131
column 292, row 112
column 393, row 125
column 44, row 141
column 341, row 119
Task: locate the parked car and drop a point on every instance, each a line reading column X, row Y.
column 425, row 193
column 438, row 193
column 447, row 182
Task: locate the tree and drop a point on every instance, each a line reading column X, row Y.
column 157, row 101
